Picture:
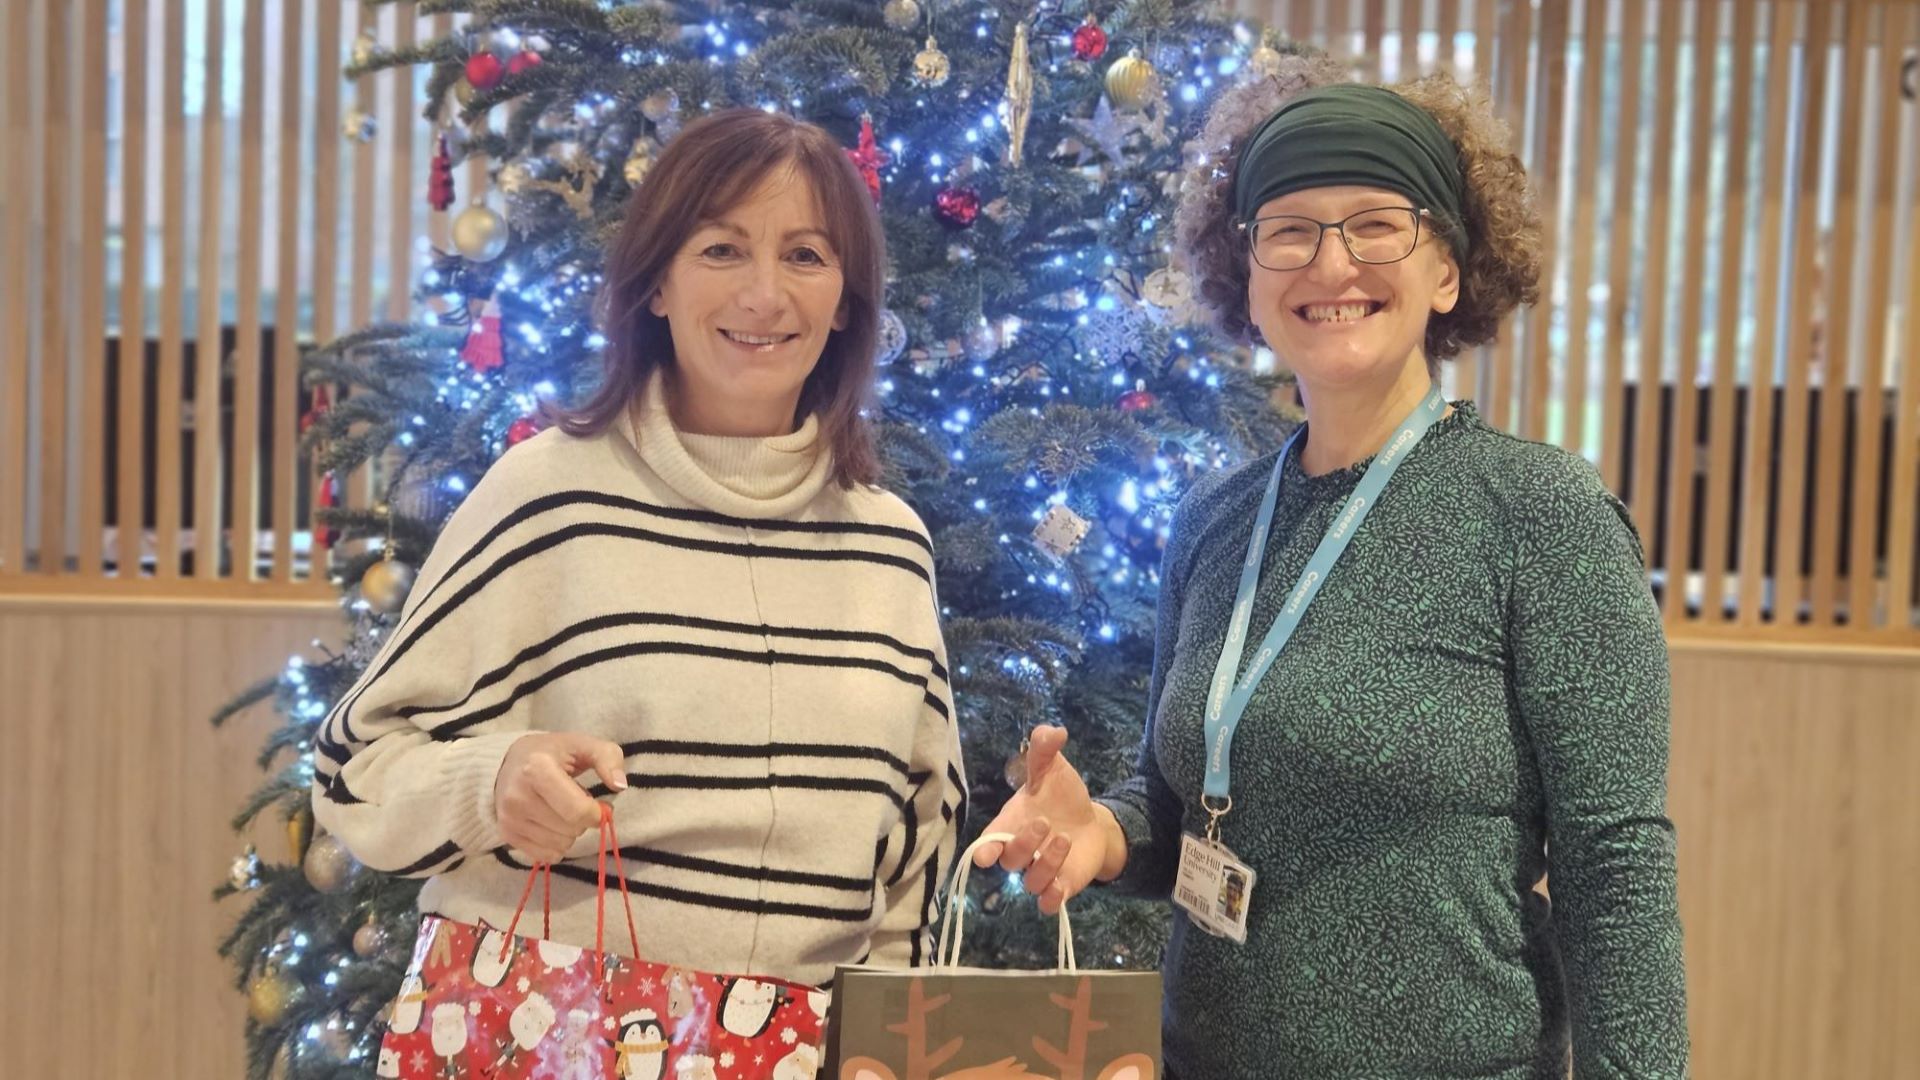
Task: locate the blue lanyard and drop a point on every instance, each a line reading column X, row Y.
column 1226, row 701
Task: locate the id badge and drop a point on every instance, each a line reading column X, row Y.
column 1214, row 888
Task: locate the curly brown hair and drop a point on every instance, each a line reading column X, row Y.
column 1502, row 267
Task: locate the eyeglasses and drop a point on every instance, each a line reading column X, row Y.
column 1384, row 234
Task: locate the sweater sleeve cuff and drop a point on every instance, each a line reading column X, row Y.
column 471, row 767
column 1142, row 859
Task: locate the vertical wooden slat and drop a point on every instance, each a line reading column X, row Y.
column 1834, row 374
column 1448, row 29
column 1897, row 23
column 1483, row 39
column 173, row 266
column 1653, row 294
column 129, row 472
column 1545, row 166
column 207, row 449
column 92, row 188
column 1733, row 271
column 1754, row 523
column 1410, row 20
column 1789, row 582
column 326, row 217
column 1374, row 28
column 1514, row 42
column 1682, row 465
column 243, row 543
column 407, row 186
column 1906, row 434
column 1621, row 230
column 1300, row 20
column 55, row 320
column 1584, row 263
column 14, row 342
column 286, row 313
column 356, row 490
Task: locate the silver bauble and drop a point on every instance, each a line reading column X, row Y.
column 329, row 866
column 901, row 14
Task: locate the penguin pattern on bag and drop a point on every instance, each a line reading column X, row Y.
column 477, row 1003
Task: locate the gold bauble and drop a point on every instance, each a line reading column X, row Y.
column 480, row 233
column 1130, row 81
column 369, row 939
column 901, row 14
column 639, row 162
column 385, row 586
column 1265, row 62
column 463, row 91
column 299, row 832
column 931, row 67
column 270, row 994
column 365, row 47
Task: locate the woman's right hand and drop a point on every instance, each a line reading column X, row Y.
column 1062, row 840
column 542, row 809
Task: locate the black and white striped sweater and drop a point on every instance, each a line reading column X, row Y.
column 764, row 644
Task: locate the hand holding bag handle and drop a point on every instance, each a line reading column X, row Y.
column 609, row 844
column 953, row 926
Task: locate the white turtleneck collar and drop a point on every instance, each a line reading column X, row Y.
column 751, row 477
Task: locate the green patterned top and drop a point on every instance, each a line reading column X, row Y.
column 1478, row 695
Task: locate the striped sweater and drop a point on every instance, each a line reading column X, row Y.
column 764, row 645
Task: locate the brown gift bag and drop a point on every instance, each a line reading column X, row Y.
column 948, row 1022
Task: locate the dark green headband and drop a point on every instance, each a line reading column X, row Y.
column 1350, row 133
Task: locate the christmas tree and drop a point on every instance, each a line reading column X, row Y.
column 1047, row 390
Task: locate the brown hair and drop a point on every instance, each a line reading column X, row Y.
column 1502, row 268
column 716, row 163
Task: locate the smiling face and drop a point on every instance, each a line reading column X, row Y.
column 1338, row 322
column 750, row 300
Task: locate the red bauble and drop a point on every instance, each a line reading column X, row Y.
column 484, row 70
column 1089, row 41
column 521, row 430
column 1137, row 399
column 522, row 60
column 956, row 208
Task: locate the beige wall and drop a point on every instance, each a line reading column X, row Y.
column 1793, row 787
column 115, row 794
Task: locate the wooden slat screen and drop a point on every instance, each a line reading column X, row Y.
column 1727, row 328
column 1728, row 331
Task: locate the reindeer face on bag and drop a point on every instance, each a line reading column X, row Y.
column 927, row 1053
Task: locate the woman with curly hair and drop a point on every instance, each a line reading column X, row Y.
column 1407, row 668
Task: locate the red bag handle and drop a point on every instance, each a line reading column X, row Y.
column 609, row 844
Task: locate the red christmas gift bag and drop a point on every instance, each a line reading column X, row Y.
column 478, row 1002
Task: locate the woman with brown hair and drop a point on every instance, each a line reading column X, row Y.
column 689, row 600
column 1405, row 666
